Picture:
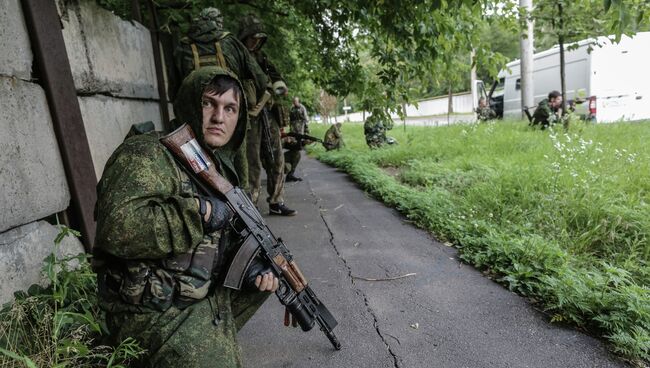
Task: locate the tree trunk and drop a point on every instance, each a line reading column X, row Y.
column 526, row 44
column 562, row 64
column 450, row 104
column 404, row 112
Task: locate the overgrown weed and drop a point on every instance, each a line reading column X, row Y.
column 559, row 216
column 60, row 325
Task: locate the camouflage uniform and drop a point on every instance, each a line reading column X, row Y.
column 207, row 44
column 545, row 115
column 298, row 121
column 158, row 273
column 257, row 157
column 485, row 113
column 375, row 129
column 333, row 138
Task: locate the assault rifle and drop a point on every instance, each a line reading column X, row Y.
column 305, row 137
column 294, row 291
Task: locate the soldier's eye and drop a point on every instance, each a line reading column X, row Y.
column 205, row 103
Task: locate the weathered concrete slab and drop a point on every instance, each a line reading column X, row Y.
column 108, row 120
column 31, row 172
column 16, row 56
column 22, row 251
column 107, row 54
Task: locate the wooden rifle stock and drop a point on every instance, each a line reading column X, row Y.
column 183, row 144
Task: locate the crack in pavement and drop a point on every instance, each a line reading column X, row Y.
column 396, row 360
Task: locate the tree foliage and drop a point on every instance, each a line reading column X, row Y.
column 382, row 52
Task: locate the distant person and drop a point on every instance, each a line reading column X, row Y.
column 548, row 111
column 375, row 128
column 333, row 137
column 483, row 111
column 253, row 35
column 298, row 122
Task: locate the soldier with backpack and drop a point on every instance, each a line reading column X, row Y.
column 207, row 44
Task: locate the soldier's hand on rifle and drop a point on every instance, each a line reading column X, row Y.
column 214, row 212
column 267, row 282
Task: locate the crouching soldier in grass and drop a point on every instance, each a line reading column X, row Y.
column 161, row 247
column 333, row 138
column 549, row 111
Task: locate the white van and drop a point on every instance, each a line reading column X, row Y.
column 613, row 79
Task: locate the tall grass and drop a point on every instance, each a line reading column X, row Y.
column 561, row 217
column 60, row 325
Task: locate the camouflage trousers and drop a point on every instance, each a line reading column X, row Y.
column 190, row 337
column 258, row 158
column 375, row 137
column 331, row 144
column 241, row 166
column 291, row 160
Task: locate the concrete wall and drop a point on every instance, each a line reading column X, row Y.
column 108, row 120
column 431, row 112
column 23, row 250
column 32, row 180
column 113, row 70
column 108, row 55
column 16, row 55
column 31, row 172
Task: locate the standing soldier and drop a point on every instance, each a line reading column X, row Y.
column 207, row 44
column 333, row 138
column 252, row 35
column 298, row 122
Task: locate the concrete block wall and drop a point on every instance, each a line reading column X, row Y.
column 32, row 180
column 108, row 120
column 31, row 171
column 114, row 74
column 113, row 70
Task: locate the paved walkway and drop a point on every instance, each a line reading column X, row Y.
column 448, row 315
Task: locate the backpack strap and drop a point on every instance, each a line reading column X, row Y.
column 220, row 60
column 195, row 55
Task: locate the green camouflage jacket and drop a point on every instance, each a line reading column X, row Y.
column 485, row 113
column 150, row 247
column 544, row 114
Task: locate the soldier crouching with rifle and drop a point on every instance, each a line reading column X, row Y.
column 164, row 244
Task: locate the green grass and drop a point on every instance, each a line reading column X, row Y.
column 562, row 218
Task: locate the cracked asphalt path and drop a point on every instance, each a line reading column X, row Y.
column 447, row 315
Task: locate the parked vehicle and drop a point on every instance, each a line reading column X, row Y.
column 612, row 79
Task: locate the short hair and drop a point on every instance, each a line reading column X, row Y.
column 222, row 84
column 553, row 95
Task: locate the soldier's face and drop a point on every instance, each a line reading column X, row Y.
column 556, row 102
column 252, row 43
column 220, row 115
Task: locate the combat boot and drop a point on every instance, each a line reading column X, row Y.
column 280, row 209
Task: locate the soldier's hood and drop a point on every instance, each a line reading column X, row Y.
column 188, row 109
column 250, row 26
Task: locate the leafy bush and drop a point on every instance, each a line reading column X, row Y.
column 561, row 217
column 59, row 326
